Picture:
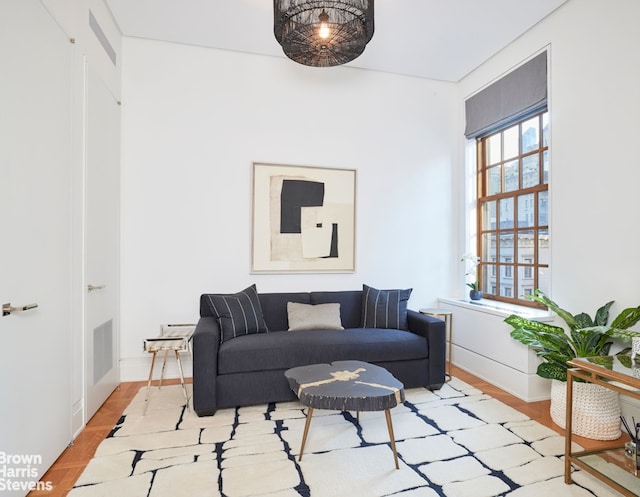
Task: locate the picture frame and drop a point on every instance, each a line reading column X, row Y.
column 303, row 219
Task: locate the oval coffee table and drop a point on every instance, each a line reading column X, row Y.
column 346, row 386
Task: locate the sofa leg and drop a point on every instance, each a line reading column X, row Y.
column 202, row 414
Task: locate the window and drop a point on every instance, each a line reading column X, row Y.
column 528, row 270
column 508, row 268
column 513, row 214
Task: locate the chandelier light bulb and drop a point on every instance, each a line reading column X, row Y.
column 324, row 30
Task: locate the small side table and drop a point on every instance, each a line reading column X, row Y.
column 447, row 317
column 608, row 463
column 167, row 343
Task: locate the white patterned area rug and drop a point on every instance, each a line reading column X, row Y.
column 454, row 442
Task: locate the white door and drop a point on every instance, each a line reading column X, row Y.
column 35, row 241
column 102, row 187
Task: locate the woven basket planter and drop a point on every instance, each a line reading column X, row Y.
column 596, row 410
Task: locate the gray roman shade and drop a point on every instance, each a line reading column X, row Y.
column 520, row 93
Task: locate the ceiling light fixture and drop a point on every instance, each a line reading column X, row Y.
column 322, row 33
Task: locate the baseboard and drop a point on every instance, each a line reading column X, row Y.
column 77, row 418
column 137, row 368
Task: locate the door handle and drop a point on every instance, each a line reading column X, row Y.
column 8, row 308
column 91, row 287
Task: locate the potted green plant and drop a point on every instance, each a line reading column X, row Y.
column 472, row 261
column 586, row 337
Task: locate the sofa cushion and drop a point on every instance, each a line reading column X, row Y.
column 350, row 305
column 283, row 350
column 313, row 317
column 384, row 308
column 274, row 307
column 238, row 314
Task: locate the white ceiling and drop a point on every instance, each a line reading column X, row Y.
column 435, row 39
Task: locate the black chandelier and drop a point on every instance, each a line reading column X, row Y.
column 321, row 33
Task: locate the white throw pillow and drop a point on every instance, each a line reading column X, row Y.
column 313, row 317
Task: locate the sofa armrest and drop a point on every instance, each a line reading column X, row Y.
column 433, row 329
column 206, row 342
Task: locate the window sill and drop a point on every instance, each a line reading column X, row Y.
column 501, row 309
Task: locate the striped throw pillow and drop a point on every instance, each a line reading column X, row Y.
column 238, row 313
column 384, row 308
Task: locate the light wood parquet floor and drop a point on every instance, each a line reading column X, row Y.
column 69, row 466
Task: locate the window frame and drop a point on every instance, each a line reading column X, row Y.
column 522, row 259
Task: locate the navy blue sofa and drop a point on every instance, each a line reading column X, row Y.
column 249, row 369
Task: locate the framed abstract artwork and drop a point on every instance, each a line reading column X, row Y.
column 303, row 219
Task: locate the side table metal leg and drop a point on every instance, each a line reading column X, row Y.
column 449, row 323
column 447, row 317
column 146, row 398
column 184, row 388
column 568, row 429
column 164, row 363
column 387, row 413
column 306, row 430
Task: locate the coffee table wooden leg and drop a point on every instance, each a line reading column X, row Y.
column 306, row 430
column 392, row 437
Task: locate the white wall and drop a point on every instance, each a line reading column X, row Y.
column 594, row 83
column 194, row 120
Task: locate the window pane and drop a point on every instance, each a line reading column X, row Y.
column 510, row 137
column 530, row 171
column 506, row 213
column 543, row 209
column 543, row 247
column 511, row 176
column 545, row 129
column 487, row 285
column 544, row 282
column 493, row 180
column 494, row 153
column 496, row 282
column 545, row 167
column 506, row 246
column 508, row 269
column 489, row 249
column 526, row 210
column 489, row 215
column 530, row 138
column 525, row 281
column 525, row 247
column 506, row 288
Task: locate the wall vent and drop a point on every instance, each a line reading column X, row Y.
column 102, row 350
